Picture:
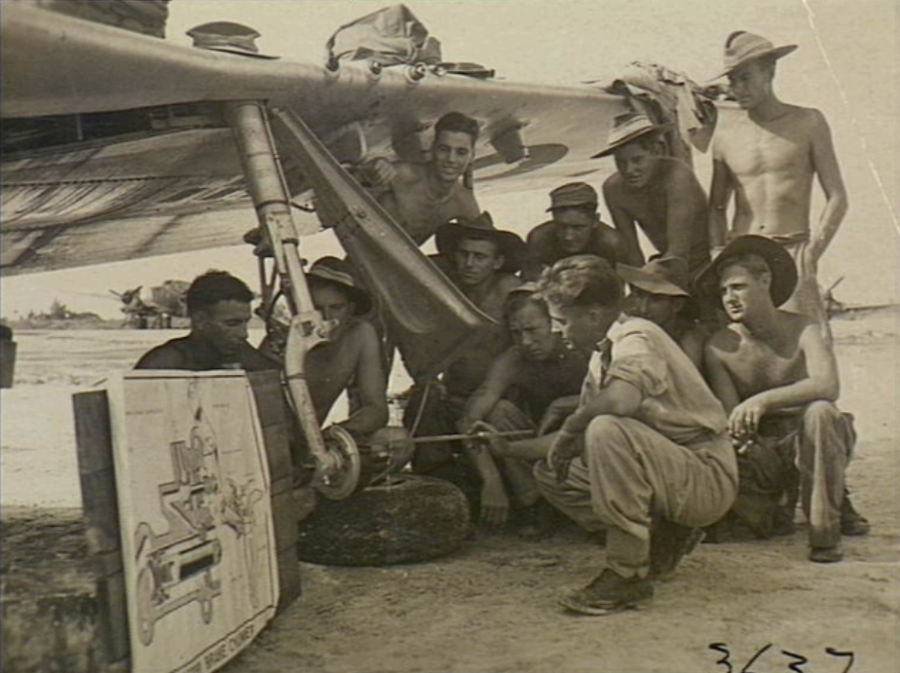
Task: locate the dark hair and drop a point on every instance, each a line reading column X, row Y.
column 582, row 280
column 457, row 122
column 214, row 286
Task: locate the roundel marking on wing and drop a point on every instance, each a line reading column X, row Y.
column 539, row 156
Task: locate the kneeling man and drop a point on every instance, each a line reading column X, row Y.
column 647, row 443
column 524, row 389
column 778, row 378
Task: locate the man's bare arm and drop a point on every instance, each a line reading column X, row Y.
column 828, row 170
column 370, row 379
column 483, row 400
column 719, row 379
column 625, row 225
column 685, row 201
column 821, row 383
column 720, row 190
column 556, row 412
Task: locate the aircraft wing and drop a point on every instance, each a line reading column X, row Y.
column 115, row 147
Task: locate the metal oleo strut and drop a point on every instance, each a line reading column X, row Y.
column 337, row 464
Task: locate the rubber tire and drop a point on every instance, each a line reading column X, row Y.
column 413, row 519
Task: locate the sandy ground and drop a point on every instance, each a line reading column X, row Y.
column 492, row 605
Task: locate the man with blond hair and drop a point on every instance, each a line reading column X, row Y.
column 645, row 455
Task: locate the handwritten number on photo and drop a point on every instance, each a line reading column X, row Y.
column 722, row 649
column 763, row 650
column 837, row 653
column 795, row 665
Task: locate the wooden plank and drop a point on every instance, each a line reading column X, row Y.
column 101, row 512
column 267, row 389
column 271, row 409
column 278, row 452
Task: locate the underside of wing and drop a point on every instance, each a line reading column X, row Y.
column 115, row 145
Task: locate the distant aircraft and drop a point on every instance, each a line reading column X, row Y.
column 119, row 145
column 154, row 307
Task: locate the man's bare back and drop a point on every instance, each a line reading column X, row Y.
column 770, row 165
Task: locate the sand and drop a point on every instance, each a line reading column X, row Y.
column 492, row 605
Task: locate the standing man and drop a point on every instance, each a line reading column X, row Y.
column 481, row 260
column 778, row 379
column 575, row 229
column 768, row 158
column 647, row 442
column 659, row 194
column 422, row 197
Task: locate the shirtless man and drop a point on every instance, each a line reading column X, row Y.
column 482, row 261
column 218, row 305
column 534, row 382
column 777, row 378
column 768, row 158
column 422, row 197
column 575, row 229
column 352, row 352
column 659, row 194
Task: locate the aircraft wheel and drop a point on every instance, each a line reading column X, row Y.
column 406, row 520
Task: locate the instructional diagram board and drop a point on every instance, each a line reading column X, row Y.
column 195, row 516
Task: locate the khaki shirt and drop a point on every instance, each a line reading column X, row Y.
column 676, row 402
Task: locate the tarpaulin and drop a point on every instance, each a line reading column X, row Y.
column 391, row 36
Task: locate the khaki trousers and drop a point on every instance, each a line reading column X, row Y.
column 630, row 473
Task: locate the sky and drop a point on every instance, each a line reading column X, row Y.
column 848, row 66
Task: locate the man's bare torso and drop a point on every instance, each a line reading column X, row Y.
column 649, row 206
column 418, row 208
column 771, row 168
column 331, row 366
column 756, row 365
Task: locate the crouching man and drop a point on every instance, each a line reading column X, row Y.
column 523, row 389
column 646, row 454
column 778, row 380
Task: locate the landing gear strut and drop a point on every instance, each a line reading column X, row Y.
column 337, row 464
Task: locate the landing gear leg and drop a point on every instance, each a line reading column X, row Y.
column 337, row 471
